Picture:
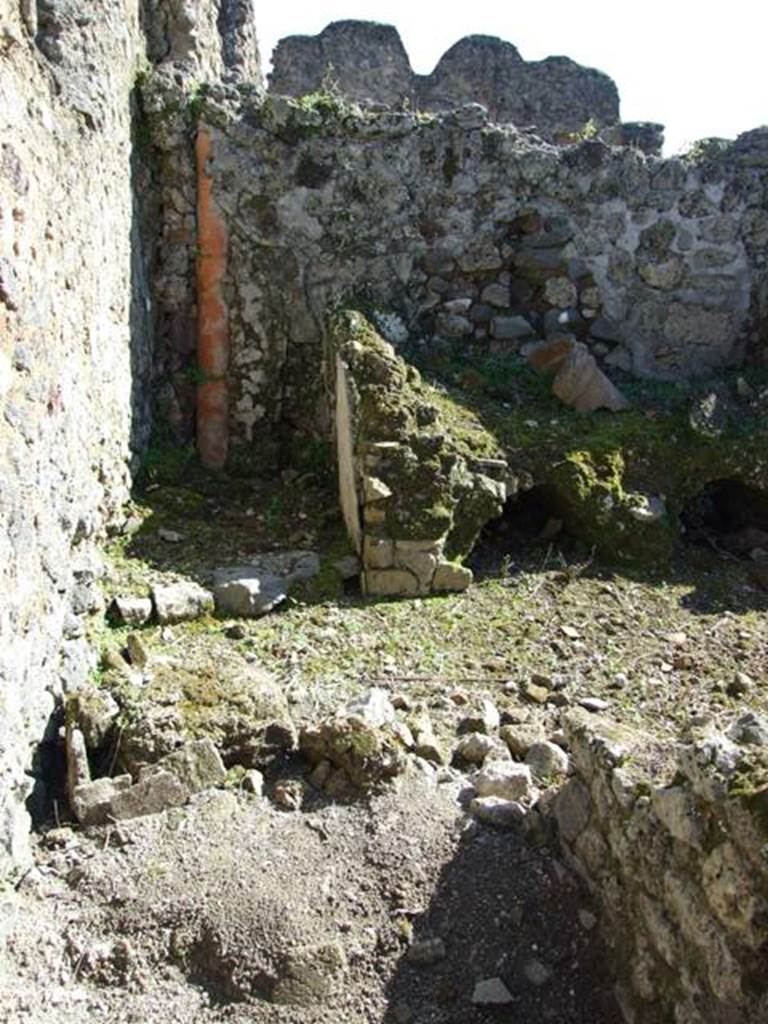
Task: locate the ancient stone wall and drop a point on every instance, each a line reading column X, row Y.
column 80, row 218
column 474, row 233
column 673, row 841
column 367, row 62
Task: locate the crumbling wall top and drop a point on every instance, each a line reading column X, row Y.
column 368, row 62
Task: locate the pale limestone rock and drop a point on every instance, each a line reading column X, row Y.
column 450, row 577
column 547, row 761
column 390, row 583
column 180, row 602
column 378, row 553
column 509, row 781
column 131, row 611
column 152, row 794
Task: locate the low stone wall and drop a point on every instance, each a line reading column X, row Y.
column 673, row 840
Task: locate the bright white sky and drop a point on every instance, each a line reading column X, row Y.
column 699, row 68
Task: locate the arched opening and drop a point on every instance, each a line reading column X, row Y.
column 731, row 516
column 531, row 518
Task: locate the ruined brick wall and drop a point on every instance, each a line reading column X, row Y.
column 672, row 838
column 475, row 233
column 368, row 62
column 82, row 221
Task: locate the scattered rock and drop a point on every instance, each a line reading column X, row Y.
column 247, row 593
column 485, row 719
column 425, row 952
column 131, row 611
column 587, row 920
column 740, row 684
column 594, row 704
column 426, row 744
column 289, row 793
column 255, row 588
column 547, row 761
column 520, row 737
column 92, row 801
column 474, row 748
column 374, row 709
column 367, row 754
column 582, row 385
column 497, row 812
column 156, row 792
column 750, row 729
column 511, row 781
column 170, row 536
column 181, row 602
column 537, row 973
column 709, row 415
column 535, row 694
column 491, row 992
column 646, row 508
column 197, row 764
column 253, row 782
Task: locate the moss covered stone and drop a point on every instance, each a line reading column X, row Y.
column 404, row 434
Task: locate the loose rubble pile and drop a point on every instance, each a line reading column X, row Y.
column 239, row 591
column 671, row 841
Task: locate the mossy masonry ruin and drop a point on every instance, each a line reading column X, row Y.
column 262, row 279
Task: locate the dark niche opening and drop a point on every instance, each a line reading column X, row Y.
column 531, row 519
column 730, row 516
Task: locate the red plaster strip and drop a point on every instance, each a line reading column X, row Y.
column 212, row 318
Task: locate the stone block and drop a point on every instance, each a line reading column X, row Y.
column 420, row 561
column 390, row 583
column 511, row 328
column 151, row 795
column 510, row 781
column 450, row 577
column 375, row 489
column 244, row 592
column 181, row 602
column 92, row 801
column 495, row 811
column 131, row 611
column 197, row 764
column 573, row 808
column 378, row 553
column 494, row 295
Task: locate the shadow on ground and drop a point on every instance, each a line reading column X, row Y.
column 506, row 909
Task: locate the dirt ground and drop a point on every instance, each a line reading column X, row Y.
column 197, row 914
column 235, row 909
